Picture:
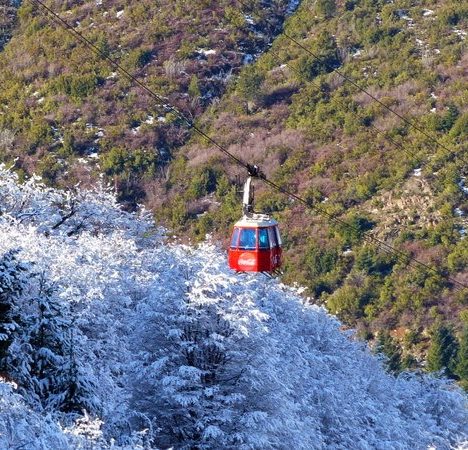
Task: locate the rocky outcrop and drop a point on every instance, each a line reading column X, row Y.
column 411, row 206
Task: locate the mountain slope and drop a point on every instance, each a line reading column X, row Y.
column 172, row 350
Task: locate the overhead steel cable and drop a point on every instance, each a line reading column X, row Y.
column 359, row 87
column 377, row 130
column 371, row 125
column 401, row 255
column 160, row 99
column 382, row 244
column 251, row 169
column 374, row 98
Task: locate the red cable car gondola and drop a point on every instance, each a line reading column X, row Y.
column 255, row 242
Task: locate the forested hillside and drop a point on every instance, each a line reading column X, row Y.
column 392, row 167
column 112, row 338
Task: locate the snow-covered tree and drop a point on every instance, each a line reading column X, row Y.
column 13, row 279
column 21, row 427
column 75, row 383
column 42, row 357
column 47, row 338
column 199, row 364
column 65, row 213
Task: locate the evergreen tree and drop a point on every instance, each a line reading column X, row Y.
column 325, row 8
column 42, row 356
column 194, row 88
column 185, row 354
column 48, row 326
column 76, row 382
column 443, row 350
column 13, row 276
column 387, row 346
column 192, row 377
column 461, row 369
column 68, row 145
column 249, row 86
column 309, row 67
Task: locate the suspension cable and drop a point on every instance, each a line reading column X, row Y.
column 376, row 129
column 159, row 98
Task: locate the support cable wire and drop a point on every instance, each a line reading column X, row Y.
column 253, row 170
column 159, row 98
column 358, row 86
column 373, row 97
column 376, row 129
column 401, row 255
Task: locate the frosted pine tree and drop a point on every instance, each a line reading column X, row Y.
column 77, row 385
column 184, row 353
column 49, row 322
column 57, row 380
column 42, row 356
column 13, row 279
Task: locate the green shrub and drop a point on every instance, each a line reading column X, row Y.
column 49, row 168
column 203, row 182
column 388, row 347
column 119, row 161
column 138, row 58
column 309, row 67
column 461, row 368
column 325, row 8
column 76, row 86
column 373, row 262
column 249, row 84
column 353, row 228
column 193, row 88
column 460, row 127
column 348, row 302
column 319, row 260
column 38, row 134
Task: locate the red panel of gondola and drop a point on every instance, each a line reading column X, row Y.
column 255, row 245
